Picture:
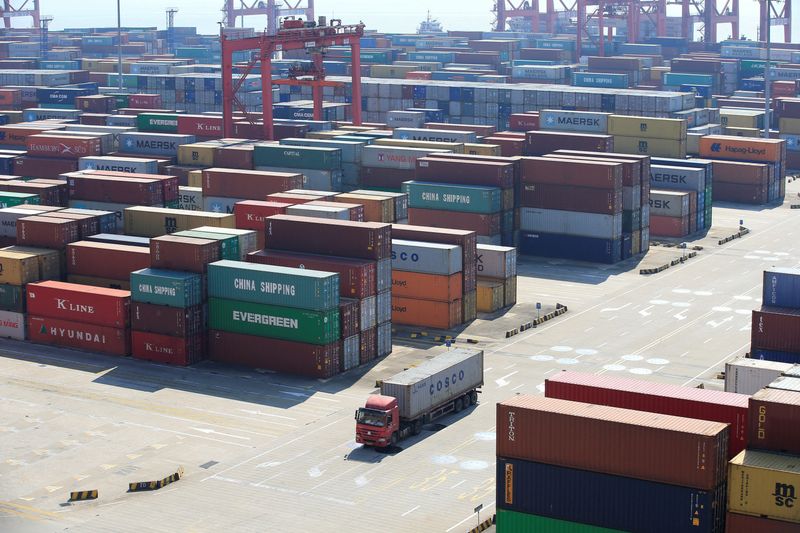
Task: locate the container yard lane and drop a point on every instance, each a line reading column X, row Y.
column 264, row 450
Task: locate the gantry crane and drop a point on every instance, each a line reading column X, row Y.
column 292, row 35
column 10, row 9
column 775, row 13
column 171, row 11
column 273, row 9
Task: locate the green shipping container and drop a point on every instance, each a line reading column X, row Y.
column 284, row 156
column 157, row 122
column 462, row 198
column 514, row 522
column 276, row 322
column 166, row 287
column 121, row 100
column 248, row 239
column 229, row 243
column 10, row 199
column 274, row 285
column 12, row 298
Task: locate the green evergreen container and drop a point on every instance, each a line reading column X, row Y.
column 10, row 199
column 274, row 285
column 514, row 522
column 229, row 243
column 311, row 157
column 273, row 321
column 447, row 197
column 157, row 122
column 166, row 287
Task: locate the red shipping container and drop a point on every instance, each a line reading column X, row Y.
column 62, row 146
column 288, row 131
column 663, row 226
column 740, row 172
column 183, row 253
column 87, row 224
column 704, row 404
column 48, row 194
column 419, row 75
column 385, row 178
column 742, row 523
column 636, row 444
column 96, row 103
column 350, row 317
column 741, row 193
column 598, row 174
column 170, row 321
column 79, row 303
column 247, row 184
column 10, row 98
column 290, row 198
column 104, row 260
column 43, row 167
column 18, row 134
column 487, row 225
column 357, row 278
column 509, row 147
column 125, row 190
column 93, row 119
column 47, row 232
column 774, row 422
column 545, row 142
column 524, row 121
column 144, row 101
column 90, row 337
column 774, row 328
column 170, row 350
column 200, row 126
column 308, row 360
column 251, row 214
column 569, row 198
column 368, row 345
column 465, row 172
column 631, row 168
column 169, row 184
column 237, row 156
column 364, row 240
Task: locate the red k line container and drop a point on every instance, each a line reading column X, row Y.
column 774, row 422
column 662, row 226
column 182, row 351
column 654, row 447
column 79, row 303
column 704, row 404
column 774, row 328
column 252, row 214
column 200, row 126
column 556, row 171
column 103, row 260
column 247, row 184
column 569, row 198
column 465, row 172
column 487, row 225
column 183, row 253
column 364, row 240
column 165, row 320
column 62, row 146
column 47, row 232
column 308, row 360
column 90, row 337
column 742, row 523
column 357, row 277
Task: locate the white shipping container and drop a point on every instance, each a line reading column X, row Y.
column 681, row 178
column 748, row 376
column 190, row 198
column 405, row 119
column 581, row 121
column 351, row 351
column 218, row 204
column 426, row 257
column 669, row 203
column 153, row 143
column 571, row 223
column 117, row 209
column 319, row 211
column 8, row 220
column 435, row 382
column 384, row 339
column 12, row 325
column 369, row 317
column 400, row 158
column 440, row 136
column 119, row 164
column 383, row 306
column 498, row 262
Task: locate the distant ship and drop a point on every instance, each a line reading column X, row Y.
column 430, row 25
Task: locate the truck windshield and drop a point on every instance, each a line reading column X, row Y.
column 371, row 417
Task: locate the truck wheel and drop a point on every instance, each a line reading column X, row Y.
column 473, row 398
column 416, row 428
column 394, row 439
column 458, row 405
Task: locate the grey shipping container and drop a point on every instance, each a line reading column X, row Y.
column 384, row 339
column 582, row 121
column 669, row 203
column 497, row 261
column 571, row 223
column 426, row 257
column 383, row 307
column 369, row 312
column 446, row 136
column 748, row 376
column 304, row 210
column 421, row 389
column 248, row 240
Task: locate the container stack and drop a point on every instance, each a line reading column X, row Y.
column 320, row 166
column 223, row 187
column 672, row 213
column 104, row 264
column 649, row 461
column 20, row 266
column 78, row 316
column 775, row 332
column 658, row 137
column 360, row 253
column 387, row 167
column 687, row 176
column 748, row 376
column 497, row 277
column 788, row 112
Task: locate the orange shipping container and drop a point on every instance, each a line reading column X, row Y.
column 376, row 208
column 10, row 97
column 426, row 313
column 426, row 286
column 742, row 148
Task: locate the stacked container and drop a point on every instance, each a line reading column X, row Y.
column 660, row 137
column 694, row 176
column 223, row 187
column 18, row 267
column 775, row 332
column 320, row 166
column 497, row 277
column 672, row 214
column 104, row 264
column 670, row 471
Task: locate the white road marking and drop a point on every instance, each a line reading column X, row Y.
column 213, row 432
column 715, row 324
column 459, row 483
column 644, row 312
column 708, row 340
column 607, row 309
column 680, row 316
column 501, row 382
column 410, row 511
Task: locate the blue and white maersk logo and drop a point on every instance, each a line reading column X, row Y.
column 129, row 143
column 550, row 121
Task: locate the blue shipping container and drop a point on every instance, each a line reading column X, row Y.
column 595, row 79
column 570, row 247
column 774, row 355
column 603, row 500
column 782, row 287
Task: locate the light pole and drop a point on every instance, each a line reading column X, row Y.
column 119, row 46
column 767, row 83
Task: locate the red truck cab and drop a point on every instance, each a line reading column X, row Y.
column 378, row 422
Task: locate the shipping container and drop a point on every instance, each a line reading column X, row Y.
column 514, row 522
column 742, row 523
column 247, row 184
column 448, row 197
column 47, row 232
column 571, row 223
column 496, row 261
column 166, row 287
column 748, row 376
column 102, row 260
column 165, row 320
column 742, row 149
column 490, row 295
column 182, row 351
column 12, row 325
column 579, row 248
column 154, row 222
column 572, row 198
column 443, row 288
column 764, row 484
column 776, row 328
column 580, row 121
column 781, row 287
column 426, row 258
column 18, row 268
column 465, row 172
column 365, row 240
column 427, row 313
column 596, row 174
column 774, row 422
column 704, row 404
column 79, row 303
column 637, row 444
column 67, row 334
column 171, row 252
column 484, row 225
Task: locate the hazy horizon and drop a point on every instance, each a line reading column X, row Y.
column 453, row 14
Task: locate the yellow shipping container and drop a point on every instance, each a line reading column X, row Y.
column 195, row 178
column 789, row 125
column 482, row 149
column 651, row 147
column 657, row 73
column 457, row 148
column 156, row 221
column 51, row 262
column 197, row 154
column 18, row 268
column 490, row 295
column 742, row 132
column 123, row 285
column 376, row 208
column 647, row 128
column 693, row 143
column 765, row 484
column 731, row 117
column 328, row 134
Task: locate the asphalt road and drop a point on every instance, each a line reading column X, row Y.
column 263, row 451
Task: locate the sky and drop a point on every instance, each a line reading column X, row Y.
column 394, row 17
